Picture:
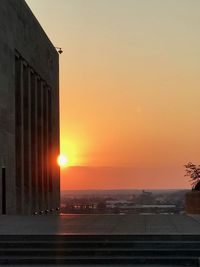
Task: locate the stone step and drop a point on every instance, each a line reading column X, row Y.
column 100, row 250
column 100, row 253
column 180, row 261
column 98, row 244
column 119, row 237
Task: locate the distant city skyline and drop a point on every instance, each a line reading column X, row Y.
column 129, row 90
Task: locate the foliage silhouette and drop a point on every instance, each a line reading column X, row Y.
column 193, row 171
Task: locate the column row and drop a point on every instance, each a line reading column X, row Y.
column 33, row 129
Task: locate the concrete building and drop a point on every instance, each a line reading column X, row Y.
column 29, row 113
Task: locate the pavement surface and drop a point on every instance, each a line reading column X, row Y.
column 99, row 224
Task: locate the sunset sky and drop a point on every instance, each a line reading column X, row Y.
column 129, row 90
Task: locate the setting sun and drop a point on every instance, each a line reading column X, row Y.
column 62, row 161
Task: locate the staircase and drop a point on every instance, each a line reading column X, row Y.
column 101, row 250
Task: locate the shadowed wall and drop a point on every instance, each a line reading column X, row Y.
column 29, row 113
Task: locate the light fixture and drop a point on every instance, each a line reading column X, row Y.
column 59, row 50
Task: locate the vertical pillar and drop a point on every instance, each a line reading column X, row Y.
column 39, row 144
column 26, row 145
column 33, row 166
column 50, row 182
column 18, row 132
column 36, row 145
column 29, row 146
column 45, row 136
column 42, row 145
column 47, row 149
column 22, row 136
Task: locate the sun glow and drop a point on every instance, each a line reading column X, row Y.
column 62, row 161
column 75, row 148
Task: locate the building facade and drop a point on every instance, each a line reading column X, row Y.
column 29, row 114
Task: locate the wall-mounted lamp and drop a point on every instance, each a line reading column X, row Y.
column 59, row 50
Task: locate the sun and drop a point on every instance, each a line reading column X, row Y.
column 62, row 161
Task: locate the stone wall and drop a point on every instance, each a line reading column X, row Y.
column 22, row 35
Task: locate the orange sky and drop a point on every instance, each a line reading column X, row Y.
column 129, row 90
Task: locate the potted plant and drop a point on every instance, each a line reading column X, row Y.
column 192, row 202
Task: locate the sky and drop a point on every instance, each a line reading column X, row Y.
column 129, row 90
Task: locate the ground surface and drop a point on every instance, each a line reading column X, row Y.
column 100, row 224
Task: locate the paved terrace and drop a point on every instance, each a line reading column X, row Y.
column 99, row 224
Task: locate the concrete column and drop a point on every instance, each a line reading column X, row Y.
column 26, row 145
column 22, row 138
column 48, row 104
column 39, row 142
column 29, row 152
column 50, row 182
column 18, row 133
column 46, row 152
column 45, row 145
column 33, row 165
column 42, row 146
column 36, row 146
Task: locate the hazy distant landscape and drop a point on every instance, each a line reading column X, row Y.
column 123, row 201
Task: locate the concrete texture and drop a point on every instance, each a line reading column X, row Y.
column 99, row 224
column 22, row 35
column 103, row 240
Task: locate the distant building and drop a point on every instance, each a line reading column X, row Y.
column 146, row 197
column 29, row 113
